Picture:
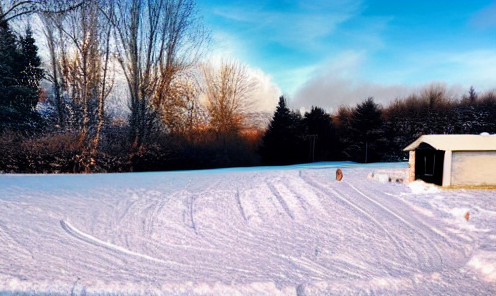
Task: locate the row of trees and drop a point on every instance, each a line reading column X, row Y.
column 151, row 48
column 370, row 132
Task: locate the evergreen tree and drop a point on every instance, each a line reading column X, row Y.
column 283, row 141
column 20, row 74
column 367, row 135
column 9, row 67
column 486, row 113
column 319, row 131
column 472, row 95
column 341, row 123
column 31, row 73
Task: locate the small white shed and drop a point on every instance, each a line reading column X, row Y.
column 454, row 160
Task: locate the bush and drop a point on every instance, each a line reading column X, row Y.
column 65, row 153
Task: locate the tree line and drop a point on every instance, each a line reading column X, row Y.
column 372, row 133
column 181, row 112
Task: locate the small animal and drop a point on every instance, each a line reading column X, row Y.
column 467, row 216
column 339, row 174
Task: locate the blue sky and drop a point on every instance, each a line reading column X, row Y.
column 330, row 53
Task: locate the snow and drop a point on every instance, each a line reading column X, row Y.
column 421, row 187
column 291, row 230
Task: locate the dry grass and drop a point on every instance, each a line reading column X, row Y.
column 472, row 187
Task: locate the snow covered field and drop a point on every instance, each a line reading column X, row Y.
column 257, row 231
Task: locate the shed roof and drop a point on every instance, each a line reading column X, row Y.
column 456, row 142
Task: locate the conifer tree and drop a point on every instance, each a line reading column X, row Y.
column 320, row 133
column 31, row 72
column 366, row 132
column 8, row 68
column 20, row 74
column 283, row 140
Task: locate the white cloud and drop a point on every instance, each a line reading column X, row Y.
column 470, row 68
column 339, row 83
column 302, row 26
column 266, row 93
column 292, row 80
column 226, row 45
column 331, row 92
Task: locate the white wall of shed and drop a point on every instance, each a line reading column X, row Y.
column 447, row 168
column 473, row 168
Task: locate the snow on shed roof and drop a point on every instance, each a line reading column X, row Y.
column 456, row 142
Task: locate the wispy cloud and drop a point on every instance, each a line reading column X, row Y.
column 471, row 67
column 343, row 82
column 300, row 23
column 485, row 18
column 337, row 83
column 266, row 93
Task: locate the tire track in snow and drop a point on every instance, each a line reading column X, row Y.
column 403, row 246
column 126, row 263
column 381, row 206
column 398, row 246
column 428, row 254
column 448, row 239
column 279, row 198
column 6, row 237
column 418, row 225
column 195, row 191
column 128, row 206
column 305, row 205
column 74, row 232
column 345, row 200
column 290, row 239
column 322, row 270
column 188, row 213
column 239, row 205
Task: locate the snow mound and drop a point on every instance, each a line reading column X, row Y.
column 390, row 175
column 421, row 187
column 485, row 263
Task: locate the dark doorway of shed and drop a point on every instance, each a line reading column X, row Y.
column 429, row 165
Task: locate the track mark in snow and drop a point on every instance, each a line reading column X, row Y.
column 414, row 227
column 396, row 241
column 340, row 197
column 71, row 230
column 382, row 207
column 284, row 205
column 8, row 239
column 309, row 265
column 188, row 214
column 403, row 246
column 425, row 231
column 240, row 207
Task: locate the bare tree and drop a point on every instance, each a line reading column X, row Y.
column 12, row 9
column 79, row 43
column 157, row 40
column 54, row 74
column 228, row 92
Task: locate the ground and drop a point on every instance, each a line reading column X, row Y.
column 259, row 231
